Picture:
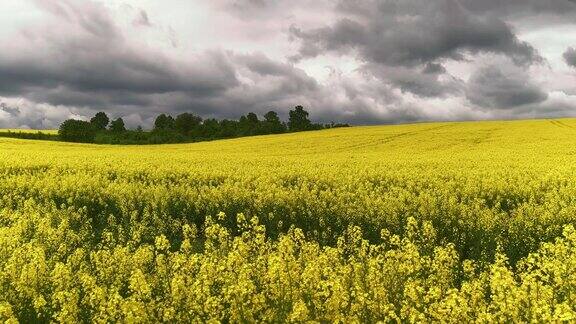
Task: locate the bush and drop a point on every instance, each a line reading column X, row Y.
column 117, row 126
column 100, row 121
column 77, row 131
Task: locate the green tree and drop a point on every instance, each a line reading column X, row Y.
column 117, row 126
column 298, row 120
column 252, row 118
column 164, row 122
column 210, row 129
column 228, row 128
column 273, row 124
column 186, row 123
column 100, row 121
column 249, row 124
column 73, row 130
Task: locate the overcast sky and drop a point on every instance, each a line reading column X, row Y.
column 355, row 61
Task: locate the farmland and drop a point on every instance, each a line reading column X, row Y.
column 30, row 131
column 426, row 222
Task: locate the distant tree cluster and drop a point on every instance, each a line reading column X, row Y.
column 38, row 135
column 186, row 127
column 73, row 130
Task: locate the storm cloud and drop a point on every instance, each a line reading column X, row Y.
column 97, row 58
column 503, row 88
column 522, row 7
column 406, row 43
column 361, row 61
column 570, row 57
column 413, row 32
column 98, row 66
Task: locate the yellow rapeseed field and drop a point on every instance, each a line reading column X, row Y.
column 30, row 131
column 450, row 222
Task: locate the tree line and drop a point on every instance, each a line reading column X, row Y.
column 186, row 127
column 37, row 135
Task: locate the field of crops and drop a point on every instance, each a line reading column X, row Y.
column 30, row 131
column 453, row 222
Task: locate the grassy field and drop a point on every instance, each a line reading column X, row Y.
column 450, row 222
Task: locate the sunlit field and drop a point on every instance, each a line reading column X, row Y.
column 453, row 222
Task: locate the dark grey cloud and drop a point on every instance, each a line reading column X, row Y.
column 93, row 66
column 12, row 111
column 262, row 10
column 22, row 113
column 405, row 43
column 98, row 68
column 401, row 61
column 570, row 57
column 495, row 87
column 522, row 7
column 412, row 32
column 251, row 4
column 434, row 68
column 428, row 81
column 89, row 67
column 99, row 61
column 87, row 51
